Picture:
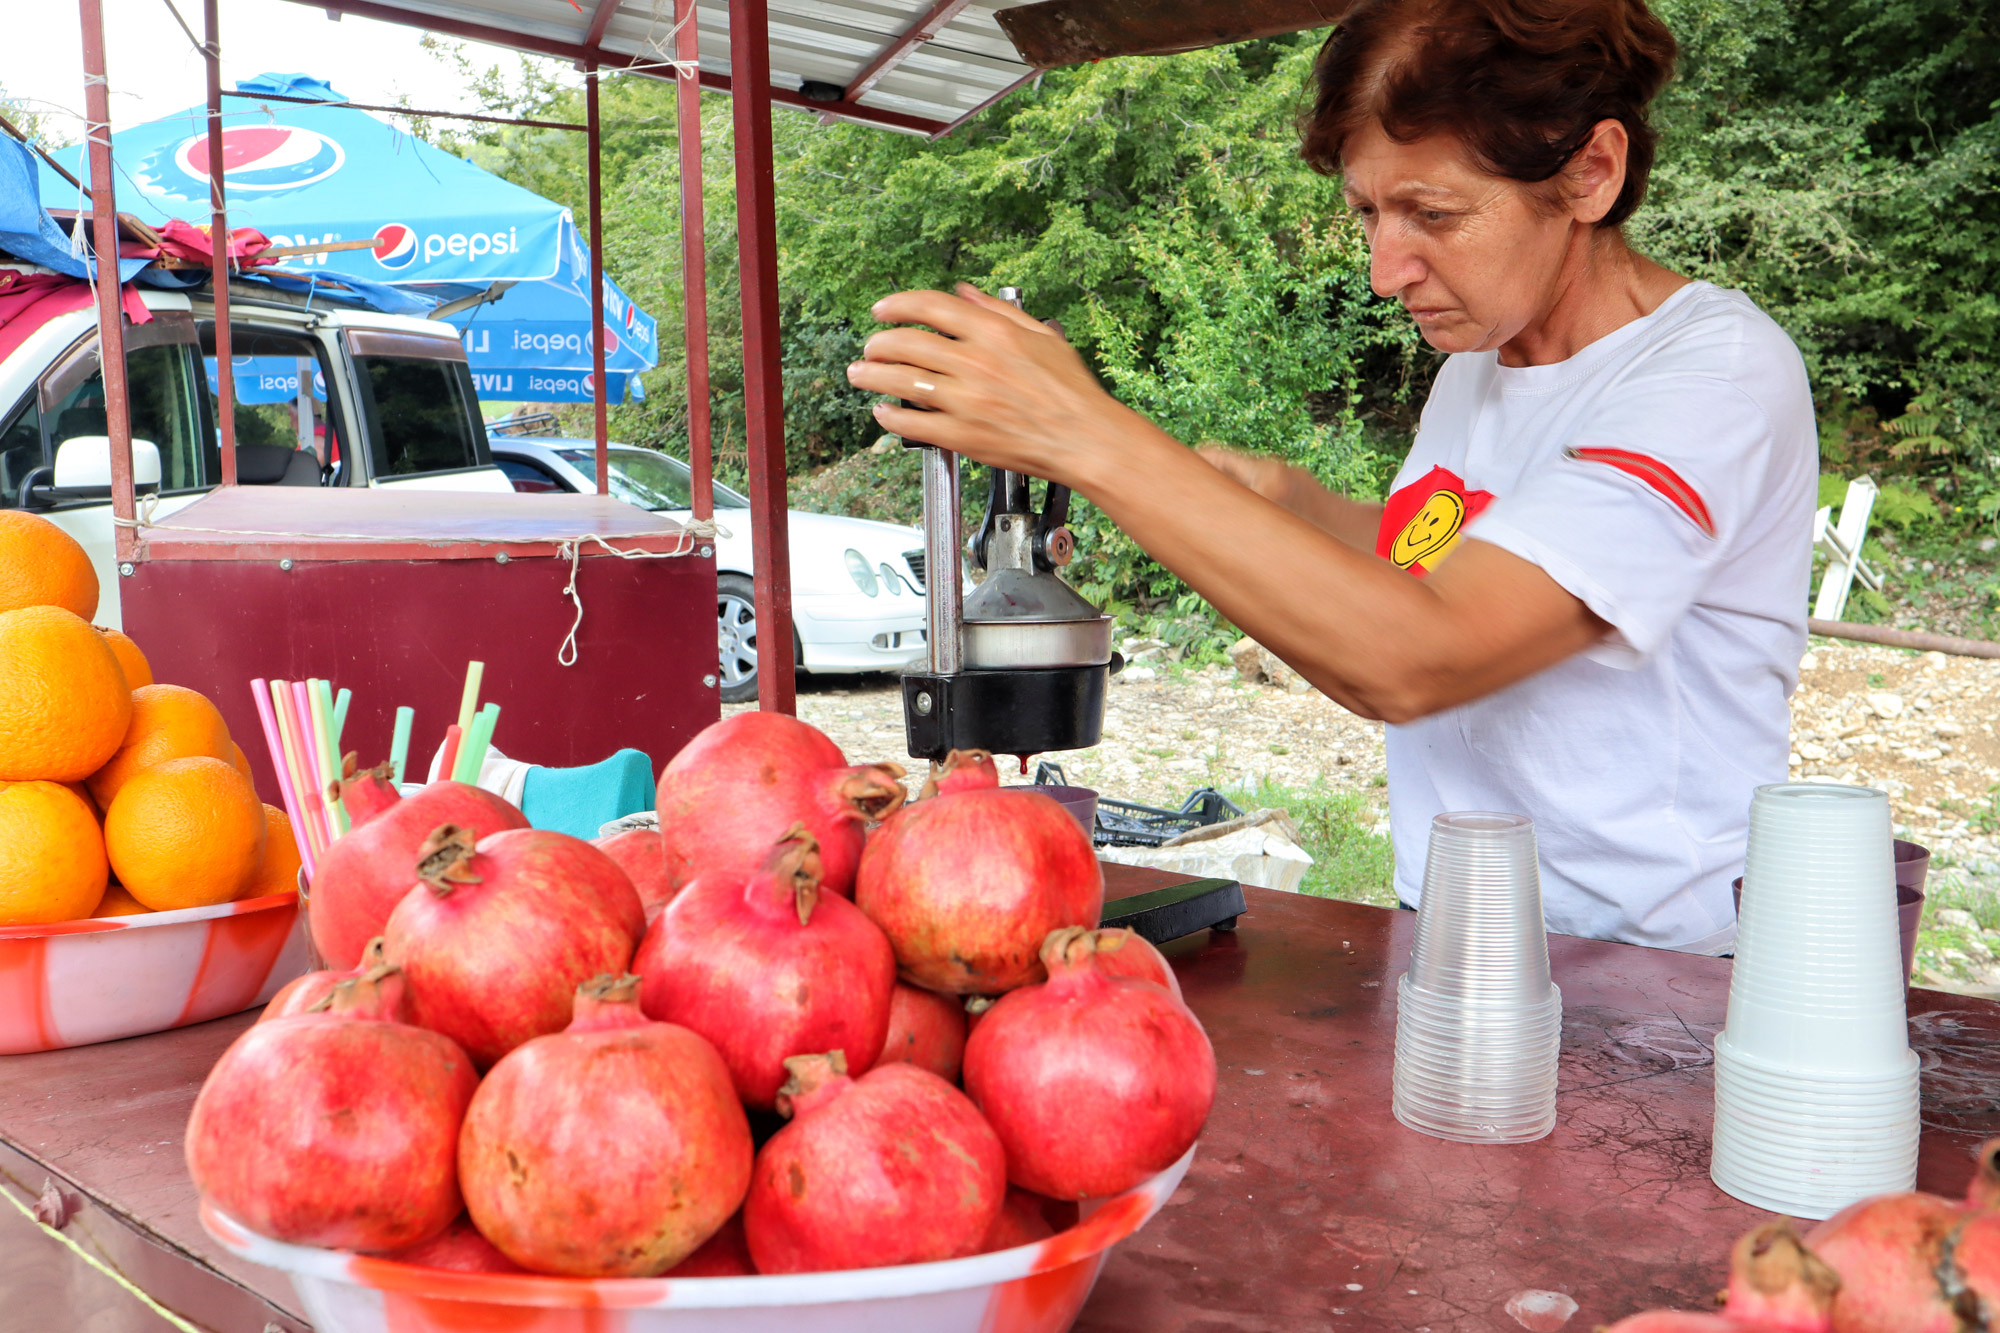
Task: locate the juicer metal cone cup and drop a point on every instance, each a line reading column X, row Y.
column 1817, row 985
column 1478, row 1023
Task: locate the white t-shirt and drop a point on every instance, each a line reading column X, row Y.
column 1665, row 475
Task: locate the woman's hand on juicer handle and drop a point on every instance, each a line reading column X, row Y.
column 1002, row 388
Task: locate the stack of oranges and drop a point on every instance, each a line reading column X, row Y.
column 104, row 774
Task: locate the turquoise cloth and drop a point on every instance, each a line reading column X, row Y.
column 579, row 801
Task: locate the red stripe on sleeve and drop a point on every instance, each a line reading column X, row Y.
column 1659, row 476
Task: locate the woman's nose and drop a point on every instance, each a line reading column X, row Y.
column 1393, row 265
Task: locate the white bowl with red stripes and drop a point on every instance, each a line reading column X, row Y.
column 1035, row 1288
column 78, row 982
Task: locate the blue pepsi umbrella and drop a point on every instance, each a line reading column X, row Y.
column 438, row 225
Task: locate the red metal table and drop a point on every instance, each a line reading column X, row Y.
column 1308, row 1207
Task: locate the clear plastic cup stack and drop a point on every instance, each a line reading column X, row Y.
column 1815, row 1081
column 1478, row 1022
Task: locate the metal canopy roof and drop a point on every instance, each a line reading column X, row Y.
column 910, row 65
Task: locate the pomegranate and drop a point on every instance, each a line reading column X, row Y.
column 766, row 966
column 967, row 884
column 496, row 938
column 1126, row 953
column 363, row 795
column 895, row 1167
column 1776, row 1285
column 1093, row 1081
column 736, row 788
column 1911, row 1261
column 1020, row 1221
column 368, row 869
column 642, row 854
column 337, row 1128
column 613, row 1148
column 460, row 1248
column 962, row 770
column 927, row 1030
column 725, row 1254
column 304, row 994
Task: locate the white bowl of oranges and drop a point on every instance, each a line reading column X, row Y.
column 143, row 884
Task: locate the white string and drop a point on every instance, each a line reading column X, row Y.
column 698, row 531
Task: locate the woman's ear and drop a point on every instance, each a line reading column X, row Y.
column 1596, row 174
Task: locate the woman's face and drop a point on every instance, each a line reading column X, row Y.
column 1474, row 258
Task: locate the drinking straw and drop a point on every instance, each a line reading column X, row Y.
column 321, row 699
column 399, row 748
column 308, row 812
column 310, row 750
column 260, row 691
column 340, row 717
column 468, row 702
column 448, row 763
column 472, row 758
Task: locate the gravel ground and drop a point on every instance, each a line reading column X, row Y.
column 1920, row 726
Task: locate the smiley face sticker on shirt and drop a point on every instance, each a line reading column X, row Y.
column 1423, row 521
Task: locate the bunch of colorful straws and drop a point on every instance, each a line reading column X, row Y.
column 303, row 721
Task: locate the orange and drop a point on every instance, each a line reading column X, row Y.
column 138, row 671
column 64, row 704
column 117, row 902
column 168, row 722
column 41, row 565
column 241, row 763
column 51, row 855
column 185, row 833
column 278, row 872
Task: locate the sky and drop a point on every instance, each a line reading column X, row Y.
column 154, row 71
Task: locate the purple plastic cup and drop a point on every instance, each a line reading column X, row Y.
column 1913, row 864
column 1081, row 802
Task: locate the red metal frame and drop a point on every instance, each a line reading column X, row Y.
column 763, row 379
column 600, row 21
column 694, row 259
column 104, row 242
column 594, row 132
column 585, row 55
column 892, row 55
column 218, row 246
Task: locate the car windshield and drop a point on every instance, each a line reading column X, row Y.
column 649, row 480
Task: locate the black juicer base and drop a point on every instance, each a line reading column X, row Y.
column 1020, row 712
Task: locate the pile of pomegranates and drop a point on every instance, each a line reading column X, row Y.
column 1897, row 1263
column 802, row 1026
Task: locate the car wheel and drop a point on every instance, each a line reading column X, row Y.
column 736, row 638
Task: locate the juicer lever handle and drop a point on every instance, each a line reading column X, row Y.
column 1052, row 551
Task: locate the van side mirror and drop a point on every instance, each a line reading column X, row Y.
column 83, row 472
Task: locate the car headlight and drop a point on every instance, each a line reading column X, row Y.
column 891, row 580
column 860, row 571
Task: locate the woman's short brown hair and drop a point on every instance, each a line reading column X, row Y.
column 1521, row 83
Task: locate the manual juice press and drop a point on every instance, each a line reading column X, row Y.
column 1020, row 665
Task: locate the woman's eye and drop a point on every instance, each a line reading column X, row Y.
column 1433, row 215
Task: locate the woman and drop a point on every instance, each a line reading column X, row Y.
column 1585, row 597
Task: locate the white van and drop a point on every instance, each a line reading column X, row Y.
column 338, row 396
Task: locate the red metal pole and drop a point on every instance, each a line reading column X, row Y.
column 110, row 299
column 763, row 384
column 218, row 249
column 694, row 261
column 593, row 132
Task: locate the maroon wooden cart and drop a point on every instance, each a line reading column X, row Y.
column 1307, row 1208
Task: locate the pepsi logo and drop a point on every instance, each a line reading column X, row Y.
column 264, row 159
column 395, row 245
column 610, row 340
column 631, row 313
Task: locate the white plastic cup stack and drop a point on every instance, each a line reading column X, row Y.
column 1478, row 1023
column 1815, row 1081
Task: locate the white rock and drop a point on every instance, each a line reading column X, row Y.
column 1935, row 661
column 1809, row 662
column 1885, row 705
column 1136, row 675
column 1948, row 730
column 1956, row 918
column 1812, row 750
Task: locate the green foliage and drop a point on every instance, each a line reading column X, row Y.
column 1336, row 828
column 1903, row 506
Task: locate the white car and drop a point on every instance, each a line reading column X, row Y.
column 857, row 585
